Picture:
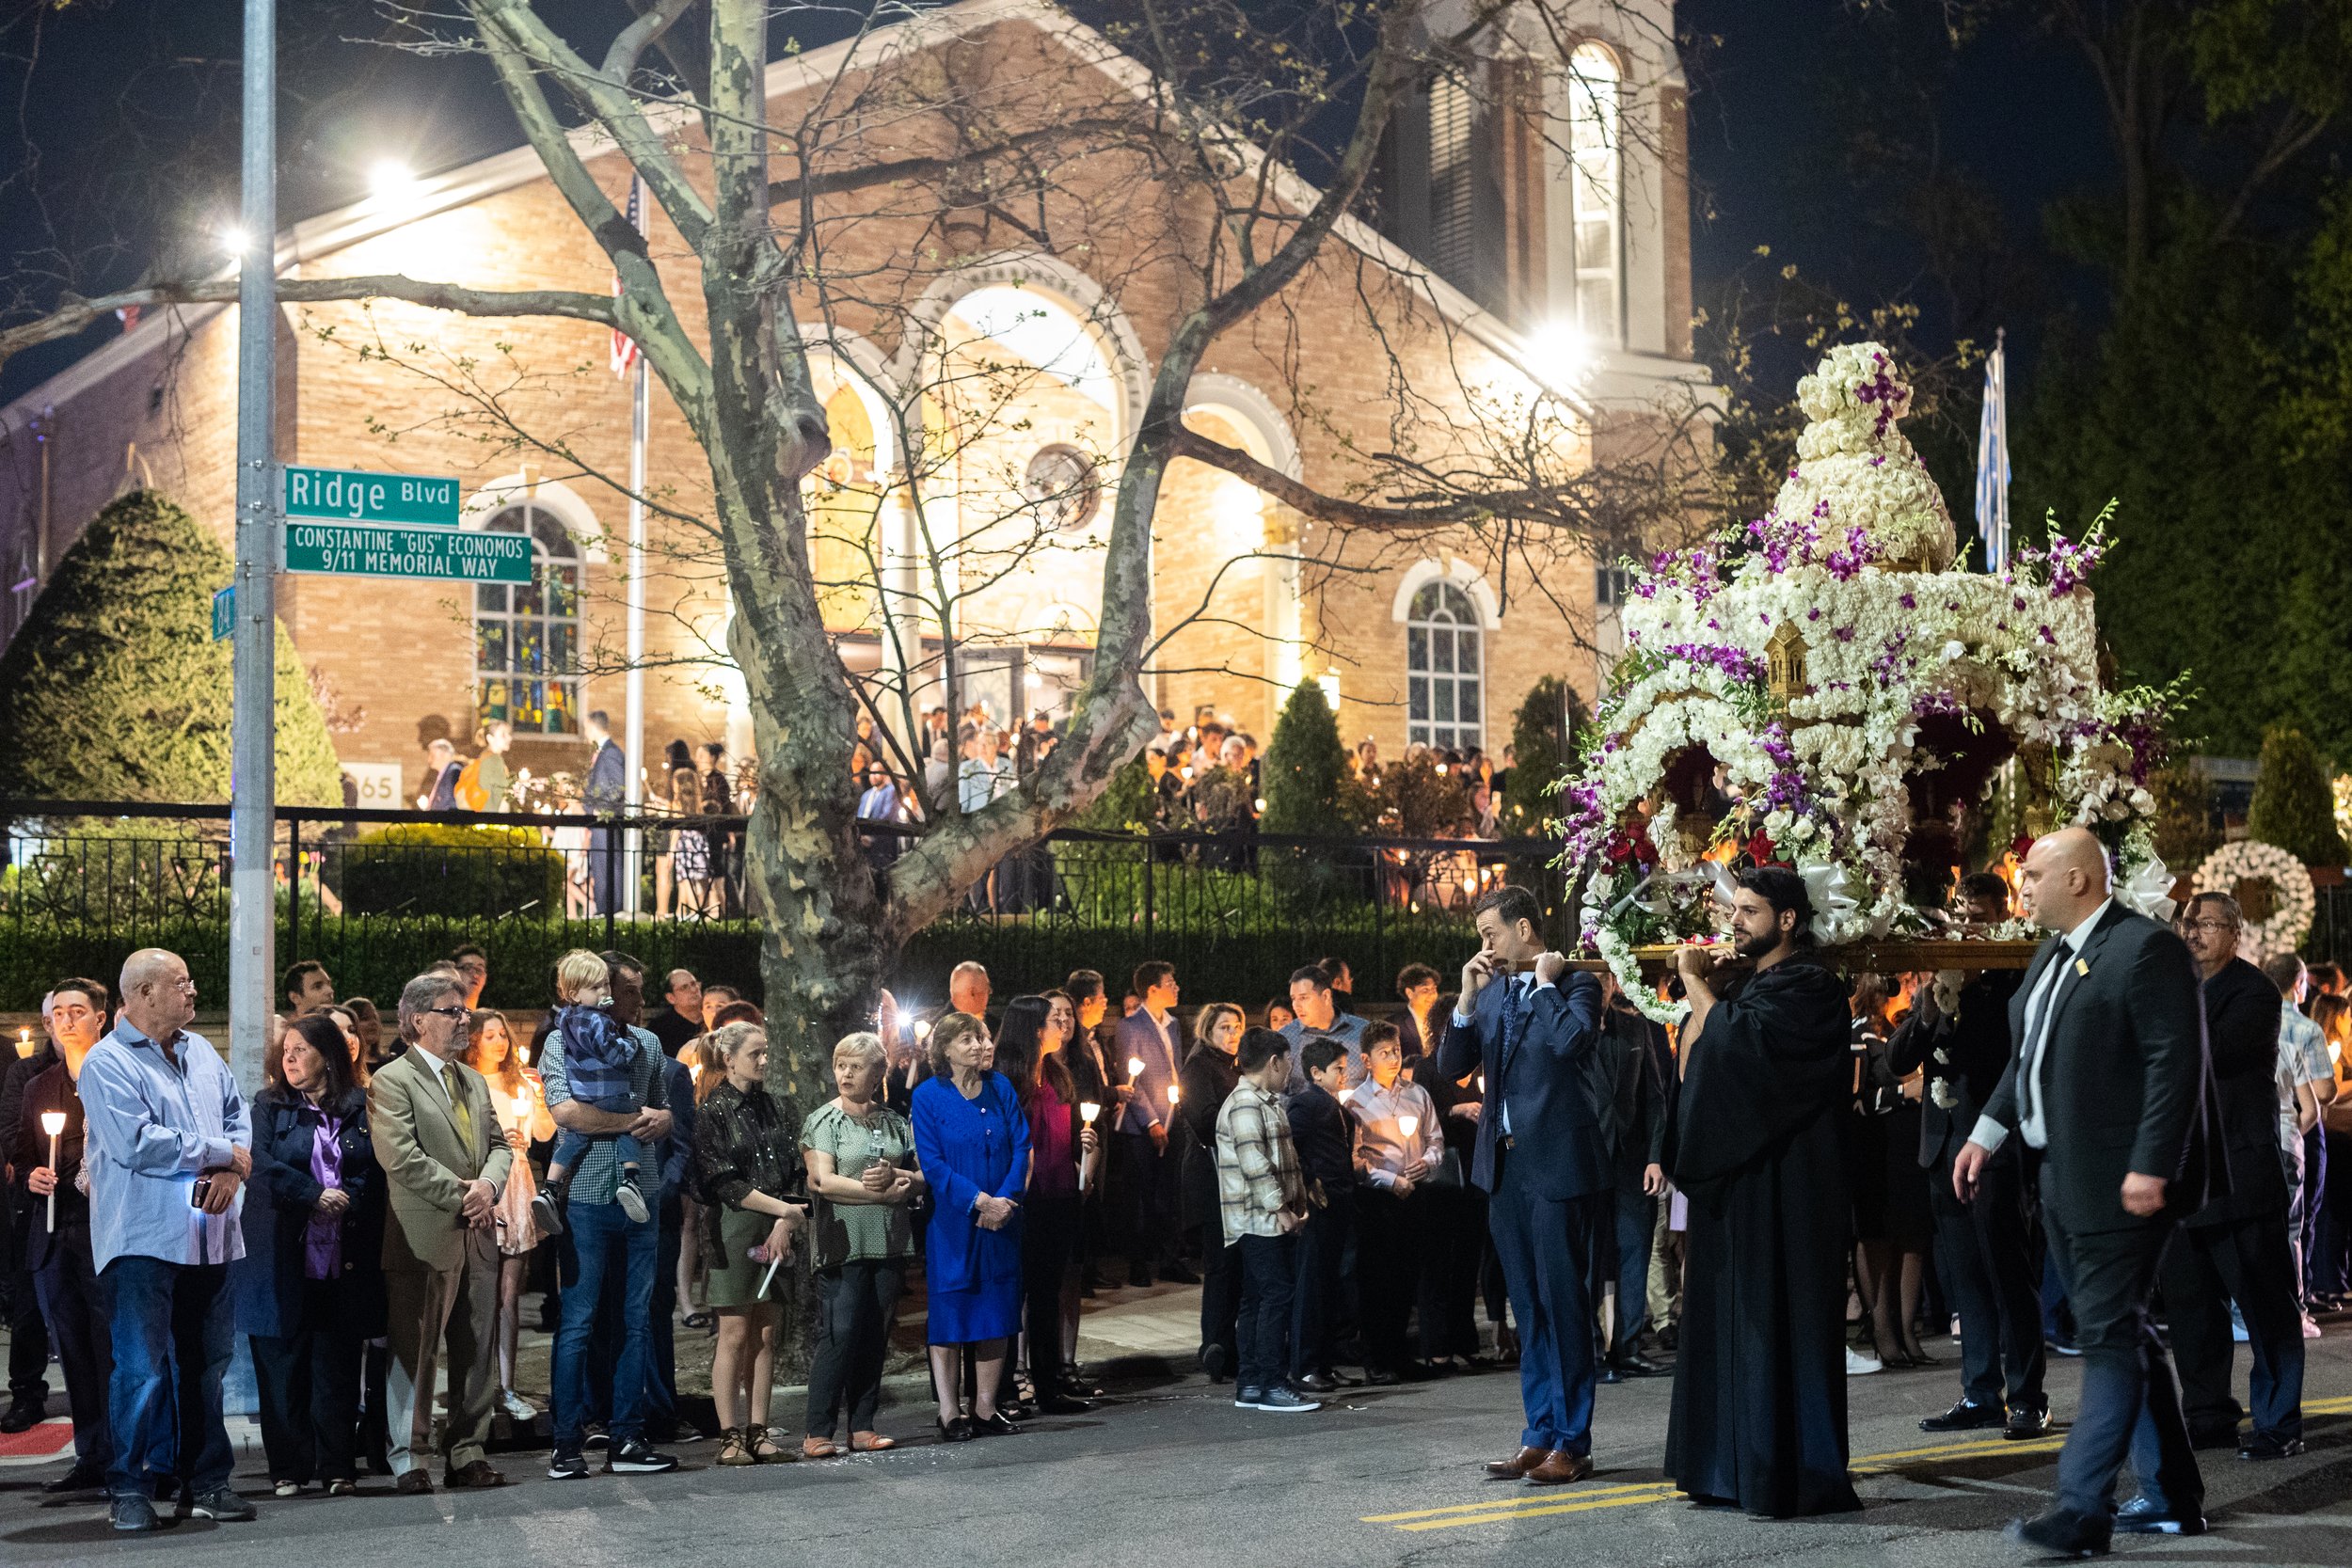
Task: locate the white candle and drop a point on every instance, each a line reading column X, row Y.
column 1408, row 1124
column 1173, row 1091
column 1135, row 1067
column 53, row 1123
column 1087, row 1111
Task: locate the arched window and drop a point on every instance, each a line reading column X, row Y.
column 1444, row 671
column 527, row 636
column 1595, row 183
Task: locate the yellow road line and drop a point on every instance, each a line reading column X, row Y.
column 1540, row 1504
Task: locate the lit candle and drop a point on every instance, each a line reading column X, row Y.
column 53, row 1123
column 23, row 1042
column 1408, row 1124
column 1135, row 1067
column 1172, row 1092
column 1087, row 1111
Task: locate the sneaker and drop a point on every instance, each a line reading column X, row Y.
column 594, row 1436
column 567, row 1466
column 221, row 1505
column 1282, row 1401
column 1859, row 1364
column 636, row 1457
column 633, row 1201
column 517, row 1407
column 1247, row 1399
column 546, row 1213
column 132, row 1512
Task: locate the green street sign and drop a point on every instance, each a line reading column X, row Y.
column 224, row 613
column 349, row 496
column 346, row 549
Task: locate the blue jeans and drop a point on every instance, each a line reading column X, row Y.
column 598, row 1237
column 572, row 1147
column 172, row 1339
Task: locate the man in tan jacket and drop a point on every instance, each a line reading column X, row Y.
column 437, row 1139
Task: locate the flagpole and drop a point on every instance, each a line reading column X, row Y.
column 633, row 733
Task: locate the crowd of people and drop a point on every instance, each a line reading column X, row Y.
column 1350, row 1186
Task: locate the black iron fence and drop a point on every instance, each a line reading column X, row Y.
column 377, row 894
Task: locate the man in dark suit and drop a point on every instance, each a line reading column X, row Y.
column 2237, row 1247
column 1543, row 1160
column 1638, row 1065
column 602, row 792
column 2107, row 1084
column 1987, row 1246
column 1153, row 1036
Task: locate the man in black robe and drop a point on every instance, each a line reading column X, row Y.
column 1760, row 1400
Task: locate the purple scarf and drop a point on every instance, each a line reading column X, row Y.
column 323, row 1243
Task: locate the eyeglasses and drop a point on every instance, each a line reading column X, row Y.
column 450, row 1011
column 2214, row 925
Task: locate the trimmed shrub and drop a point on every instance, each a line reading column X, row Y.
column 1544, row 736
column 2293, row 805
column 440, row 869
column 114, row 689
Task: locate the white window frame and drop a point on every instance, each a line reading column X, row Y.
column 1443, row 618
column 554, row 552
column 1595, row 190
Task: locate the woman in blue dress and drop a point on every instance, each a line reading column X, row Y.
column 973, row 1141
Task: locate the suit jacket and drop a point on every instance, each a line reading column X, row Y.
column 2123, row 1077
column 425, row 1165
column 2242, row 1036
column 1975, row 1041
column 1140, row 1039
column 32, row 1093
column 1548, row 1082
column 1638, row 1067
column 607, row 779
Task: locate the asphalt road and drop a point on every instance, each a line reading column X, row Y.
column 1170, row 1474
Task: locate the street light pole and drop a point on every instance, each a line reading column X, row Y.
column 253, row 785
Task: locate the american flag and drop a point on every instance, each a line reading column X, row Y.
column 1992, row 458
column 624, row 346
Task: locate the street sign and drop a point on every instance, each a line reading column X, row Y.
column 347, row 549
column 224, row 613
column 349, row 496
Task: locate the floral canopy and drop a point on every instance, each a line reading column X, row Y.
column 1822, row 688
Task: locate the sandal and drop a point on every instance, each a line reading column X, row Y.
column 764, row 1448
column 869, row 1441
column 818, row 1447
column 732, row 1450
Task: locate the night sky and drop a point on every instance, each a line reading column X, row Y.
column 125, row 148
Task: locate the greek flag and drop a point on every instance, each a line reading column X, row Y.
column 1992, row 458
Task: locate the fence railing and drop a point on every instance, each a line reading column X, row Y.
column 376, row 895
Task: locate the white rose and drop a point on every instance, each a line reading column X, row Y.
column 1955, row 650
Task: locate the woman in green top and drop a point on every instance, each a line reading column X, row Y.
column 750, row 1182
column 862, row 1178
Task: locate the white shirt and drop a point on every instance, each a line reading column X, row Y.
column 1989, row 1134
column 1512, row 996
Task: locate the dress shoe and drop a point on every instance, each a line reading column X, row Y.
column 1516, row 1467
column 1968, row 1416
column 2270, row 1445
column 475, row 1473
column 998, row 1425
column 1314, row 1383
column 411, row 1483
column 24, row 1415
column 1379, row 1377
column 2027, row 1421
column 1140, row 1278
column 957, row 1430
column 2141, row 1516
column 2063, row 1533
column 1064, row 1404
column 82, row 1478
column 1213, row 1361
column 1607, row 1372
column 1559, row 1467
column 1080, row 1383
column 1633, row 1363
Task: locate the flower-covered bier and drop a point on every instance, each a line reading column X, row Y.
column 1797, row 692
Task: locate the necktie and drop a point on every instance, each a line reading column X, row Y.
column 459, row 1113
column 2029, row 1101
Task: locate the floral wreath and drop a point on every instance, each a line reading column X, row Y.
column 2252, row 861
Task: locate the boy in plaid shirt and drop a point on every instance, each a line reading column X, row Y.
column 1263, row 1198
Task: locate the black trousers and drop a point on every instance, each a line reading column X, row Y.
column 309, row 1382
column 854, row 1302
column 1147, row 1200
column 1992, row 1268
column 1317, row 1299
column 1269, row 1277
column 2129, row 1401
column 1389, row 1232
column 1622, row 1259
column 75, row 1298
column 1049, row 1239
column 1220, row 1292
column 1453, row 1248
column 2249, row 1261
column 28, row 1334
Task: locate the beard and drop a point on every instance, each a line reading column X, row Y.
column 1757, row 946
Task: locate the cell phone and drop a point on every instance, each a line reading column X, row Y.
column 200, row 1193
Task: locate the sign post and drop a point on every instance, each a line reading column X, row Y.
column 253, row 640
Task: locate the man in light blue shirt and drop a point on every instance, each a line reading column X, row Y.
column 168, row 1146
column 1316, row 1011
